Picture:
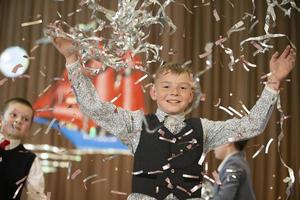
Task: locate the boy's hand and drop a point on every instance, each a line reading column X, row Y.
column 66, row 48
column 280, row 66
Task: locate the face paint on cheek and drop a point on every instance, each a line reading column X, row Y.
column 11, row 123
column 8, row 126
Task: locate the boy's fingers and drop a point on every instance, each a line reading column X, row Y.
column 286, row 52
column 292, row 55
column 275, row 56
column 293, row 52
column 56, row 41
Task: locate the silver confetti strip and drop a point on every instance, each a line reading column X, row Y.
column 226, row 110
column 99, row 180
column 109, row 158
column 291, row 177
column 196, row 187
column 201, row 160
column 75, row 174
column 245, row 108
column 183, row 189
column 258, row 151
column 69, row 170
column 186, row 134
column 138, row 172
column 21, row 180
column 268, row 145
column 36, row 131
column 265, row 38
column 118, row 192
column 235, row 28
column 141, row 79
column 190, row 176
column 150, row 131
column 156, row 172
column 174, row 156
column 167, row 166
column 168, row 140
column 216, row 15
column 235, row 111
column 50, row 126
column 232, row 170
column 129, row 27
column 87, row 179
column 115, row 98
column 170, row 185
column 32, row 23
column 17, row 191
column 208, row 178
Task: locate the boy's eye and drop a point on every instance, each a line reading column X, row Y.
column 13, row 114
column 165, row 86
column 185, row 87
column 26, row 119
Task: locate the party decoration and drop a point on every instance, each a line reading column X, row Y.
column 128, row 28
column 14, row 62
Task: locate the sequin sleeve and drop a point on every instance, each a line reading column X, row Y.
column 217, row 133
column 126, row 125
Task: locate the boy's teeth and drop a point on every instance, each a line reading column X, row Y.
column 173, row 101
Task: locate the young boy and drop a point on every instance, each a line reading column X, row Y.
column 166, row 162
column 18, row 166
column 233, row 180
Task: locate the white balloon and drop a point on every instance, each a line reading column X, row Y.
column 13, row 62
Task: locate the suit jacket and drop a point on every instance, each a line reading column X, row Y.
column 236, row 180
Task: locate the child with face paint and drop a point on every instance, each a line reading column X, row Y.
column 18, row 166
column 167, row 159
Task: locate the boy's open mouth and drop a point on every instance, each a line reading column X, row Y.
column 173, row 101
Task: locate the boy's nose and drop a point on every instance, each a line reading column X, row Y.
column 18, row 121
column 174, row 91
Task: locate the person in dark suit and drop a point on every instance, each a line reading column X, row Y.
column 19, row 167
column 233, row 182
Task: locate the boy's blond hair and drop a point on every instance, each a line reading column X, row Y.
column 174, row 68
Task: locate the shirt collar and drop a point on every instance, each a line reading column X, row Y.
column 225, row 160
column 13, row 142
column 161, row 115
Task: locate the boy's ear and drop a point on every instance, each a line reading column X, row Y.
column 192, row 98
column 153, row 92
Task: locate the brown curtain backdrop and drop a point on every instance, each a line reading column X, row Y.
column 193, row 32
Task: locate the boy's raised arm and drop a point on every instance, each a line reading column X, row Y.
column 217, row 133
column 117, row 121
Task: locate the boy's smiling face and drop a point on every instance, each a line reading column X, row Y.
column 173, row 92
column 16, row 120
